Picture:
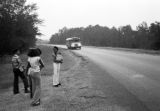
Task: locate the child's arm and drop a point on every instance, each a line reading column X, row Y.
column 41, row 64
column 27, row 68
column 62, row 58
column 54, row 56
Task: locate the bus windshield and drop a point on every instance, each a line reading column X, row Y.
column 73, row 43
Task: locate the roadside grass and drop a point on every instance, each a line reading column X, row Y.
column 6, row 73
column 48, row 60
column 75, row 94
column 21, row 101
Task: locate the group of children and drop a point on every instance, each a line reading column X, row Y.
column 30, row 75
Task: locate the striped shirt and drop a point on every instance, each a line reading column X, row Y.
column 16, row 61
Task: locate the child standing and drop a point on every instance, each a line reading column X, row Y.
column 57, row 61
column 18, row 71
column 34, row 67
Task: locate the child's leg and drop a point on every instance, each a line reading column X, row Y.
column 33, row 81
column 58, row 72
column 25, row 81
column 37, row 92
column 55, row 78
column 30, row 83
column 16, row 81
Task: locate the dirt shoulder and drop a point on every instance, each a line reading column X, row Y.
column 80, row 90
column 75, row 94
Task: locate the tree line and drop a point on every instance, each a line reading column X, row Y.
column 18, row 25
column 144, row 37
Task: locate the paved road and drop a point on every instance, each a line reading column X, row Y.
column 138, row 73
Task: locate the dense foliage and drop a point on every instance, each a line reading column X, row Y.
column 18, row 25
column 144, row 37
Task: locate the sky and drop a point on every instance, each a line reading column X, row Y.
column 81, row 13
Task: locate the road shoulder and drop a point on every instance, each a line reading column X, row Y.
column 78, row 92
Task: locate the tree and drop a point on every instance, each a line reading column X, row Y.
column 144, row 37
column 127, row 36
column 18, row 25
column 155, row 35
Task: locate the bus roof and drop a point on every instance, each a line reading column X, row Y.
column 72, row 38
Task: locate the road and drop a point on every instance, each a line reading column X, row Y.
column 138, row 73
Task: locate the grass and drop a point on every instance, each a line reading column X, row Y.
column 48, row 60
column 21, row 102
column 77, row 92
column 6, row 73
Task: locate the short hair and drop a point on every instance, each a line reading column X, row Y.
column 55, row 47
column 33, row 52
column 15, row 51
column 39, row 51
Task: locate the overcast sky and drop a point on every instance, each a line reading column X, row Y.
column 81, row 13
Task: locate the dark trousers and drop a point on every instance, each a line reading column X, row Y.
column 30, row 84
column 17, row 74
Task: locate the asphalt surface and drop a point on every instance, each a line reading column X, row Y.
column 138, row 73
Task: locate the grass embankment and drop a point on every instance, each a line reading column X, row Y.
column 75, row 94
column 6, row 73
column 21, row 102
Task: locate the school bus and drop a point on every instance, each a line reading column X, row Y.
column 73, row 43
